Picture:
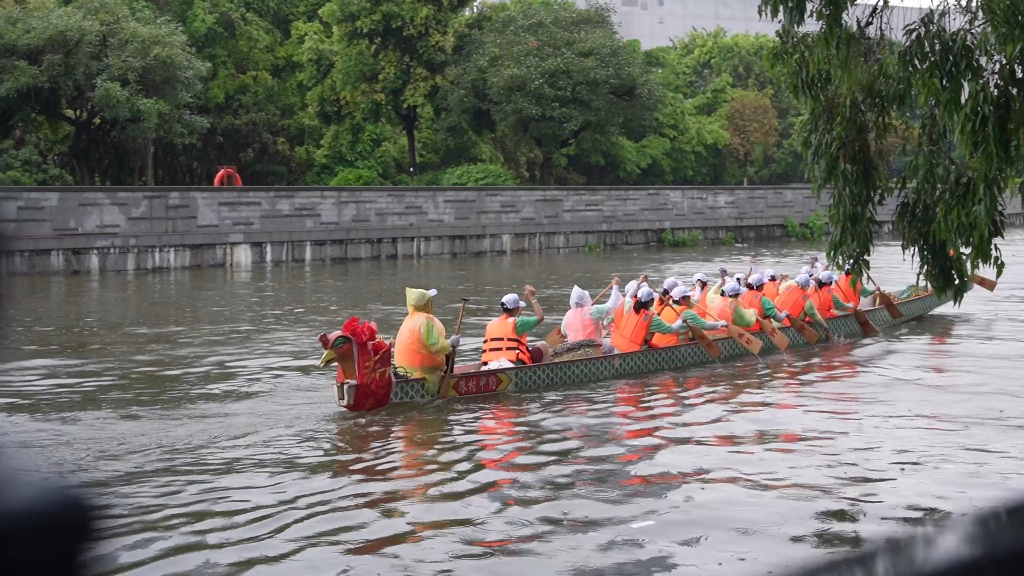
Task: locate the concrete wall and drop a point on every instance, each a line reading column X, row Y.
column 93, row 229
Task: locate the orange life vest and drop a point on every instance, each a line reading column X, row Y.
column 500, row 341
column 631, row 334
column 620, row 312
column 669, row 315
column 847, row 293
column 724, row 312
column 822, row 298
column 659, row 304
column 752, row 299
column 771, row 290
column 792, row 300
column 411, row 352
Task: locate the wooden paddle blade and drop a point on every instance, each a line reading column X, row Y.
column 866, row 327
column 554, row 338
column 753, row 345
column 705, row 342
column 776, row 335
column 890, row 306
column 985, row 283
column 809, row 334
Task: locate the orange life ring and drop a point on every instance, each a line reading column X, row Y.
column 229, row 175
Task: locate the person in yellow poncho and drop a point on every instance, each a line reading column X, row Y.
column 420, row 347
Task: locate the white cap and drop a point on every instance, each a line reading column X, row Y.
column 670, row 284
column 740, row 277
column 826, row 277
column 645, row 295
column 680, row 292
column 732, row 289
column 643, row 285
column 769, row 273
column 511, row 301
column 803, row 280
column 756, row 280
column 701, row 277
column 432, row 292
column 806, row 270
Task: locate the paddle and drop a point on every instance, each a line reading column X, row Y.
column 809, row 334
column 446, row 386
column 753, row 345
column 886, row 300
column 777, row 337
column 705, row 341
column 866, row 327
column 985, row 283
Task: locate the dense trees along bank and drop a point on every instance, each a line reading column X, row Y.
column 359, row 92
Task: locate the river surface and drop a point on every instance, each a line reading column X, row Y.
column 190, row 405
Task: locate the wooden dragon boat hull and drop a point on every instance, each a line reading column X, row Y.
column 586, row 370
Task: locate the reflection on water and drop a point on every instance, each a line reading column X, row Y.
column 191, row 404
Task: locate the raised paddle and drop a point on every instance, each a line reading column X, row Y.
column 886, row 300
column 753, row 345
column 446, row 386
column 985, row 283
column 777, row 337
column 705, row 341
column 809, row 334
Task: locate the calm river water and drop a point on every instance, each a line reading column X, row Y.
column 191, row 406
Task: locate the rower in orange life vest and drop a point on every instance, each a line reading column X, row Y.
column 585, row 321
column 420, row 346
column 755, row 299
column 505, row 336
column 698, row 296
column 679, row 307
column 632, row 288
column 731, row 311
column 848, row 290
column 665, row 297
column 795, row 301
column 824, row 297
column 771, row 285
column 639, row 322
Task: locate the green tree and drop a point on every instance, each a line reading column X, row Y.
column 753, row 127
column 391, row 55
column 955, row 76
column 549, row 80
column 113, row 71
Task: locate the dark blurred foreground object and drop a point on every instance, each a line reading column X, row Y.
column 43, row 528
column 989, row 543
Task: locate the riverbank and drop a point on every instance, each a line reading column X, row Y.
column 94, row 229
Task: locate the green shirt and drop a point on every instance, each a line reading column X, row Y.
column 526, row 324
column 658, row 325
column 839, row 304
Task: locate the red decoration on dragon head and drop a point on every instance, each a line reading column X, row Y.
column 363, row 357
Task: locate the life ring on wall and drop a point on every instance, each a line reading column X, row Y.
column 227, row 177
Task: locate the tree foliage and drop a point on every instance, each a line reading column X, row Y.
column 116, row 74
column 957, row 77
column 753, row 126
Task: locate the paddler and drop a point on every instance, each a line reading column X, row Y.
column 680, row 307
column 421, row 347
column 731, row 311
column 824, row 297
column 755, row 299
column 771, row 284
column 700, row 289
column 795, row 301
column 665, row 297
column 505, row 339
column 848, row 289
column 584, row 320
column 634, row 332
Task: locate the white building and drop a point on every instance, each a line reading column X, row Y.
column 658, row 22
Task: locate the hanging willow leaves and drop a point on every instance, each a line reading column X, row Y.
column 947, row 87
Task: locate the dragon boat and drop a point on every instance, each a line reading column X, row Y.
column 366, row 381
